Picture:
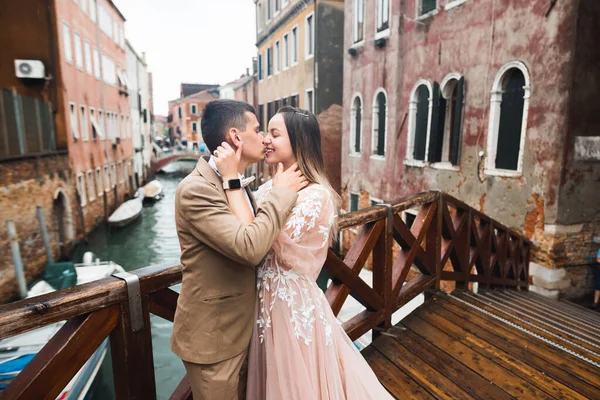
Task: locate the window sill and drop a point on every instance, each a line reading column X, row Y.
column 358, row 45
column 453, row 4
column 377, row 157
column 426, row 16
column 309, row 57
column 383, row 34
column 355, row 155
column 503, row 173
column 446, row 166
column 415, row 163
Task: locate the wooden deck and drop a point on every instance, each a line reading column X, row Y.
column 499, row 345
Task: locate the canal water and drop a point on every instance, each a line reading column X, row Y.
column 152, row 239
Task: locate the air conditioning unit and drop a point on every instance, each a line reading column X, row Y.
column 30, row 69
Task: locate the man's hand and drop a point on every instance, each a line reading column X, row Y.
column 228, row 160
column 291, row 179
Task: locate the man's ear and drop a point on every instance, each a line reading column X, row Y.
column 233, row 137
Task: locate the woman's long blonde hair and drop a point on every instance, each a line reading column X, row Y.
column 305, row 138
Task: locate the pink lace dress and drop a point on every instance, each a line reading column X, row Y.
column 299, row 349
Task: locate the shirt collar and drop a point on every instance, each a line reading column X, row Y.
column 212, row 164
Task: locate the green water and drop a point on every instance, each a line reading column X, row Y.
column 151, row 239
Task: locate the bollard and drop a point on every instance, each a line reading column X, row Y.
column 16, row 253
column 45, row 236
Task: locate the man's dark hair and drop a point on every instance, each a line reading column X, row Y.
column 219, row 117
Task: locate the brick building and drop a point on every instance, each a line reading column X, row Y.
column 491, row 101
column 300, row 59
column 64, row 123
column 185, row 113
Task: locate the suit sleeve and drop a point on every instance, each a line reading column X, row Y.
column 210, row 220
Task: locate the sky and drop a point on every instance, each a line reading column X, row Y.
column 192, row 41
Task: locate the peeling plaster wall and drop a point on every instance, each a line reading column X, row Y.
column 474, row 39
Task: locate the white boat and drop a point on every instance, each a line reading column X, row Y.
column 128, row 211
column 16, row 352
column 153, row 190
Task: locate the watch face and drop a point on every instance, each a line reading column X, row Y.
column 235, row 184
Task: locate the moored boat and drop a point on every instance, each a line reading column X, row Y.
column 153, row 190
column 128, row 211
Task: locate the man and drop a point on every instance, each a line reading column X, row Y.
column 215, row 311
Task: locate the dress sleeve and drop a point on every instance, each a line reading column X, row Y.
column 304, row 240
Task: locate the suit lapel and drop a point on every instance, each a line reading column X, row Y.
column 210, row 175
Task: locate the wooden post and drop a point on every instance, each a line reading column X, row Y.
column 16, row 254
column 382, row 273
column 45, row 236
column 133, row 362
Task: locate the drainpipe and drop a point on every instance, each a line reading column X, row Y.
column 51, row 57
column 16, row 253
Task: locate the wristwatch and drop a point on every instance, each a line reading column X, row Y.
column 232, row 184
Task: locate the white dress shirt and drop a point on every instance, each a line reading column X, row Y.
column 212, row 164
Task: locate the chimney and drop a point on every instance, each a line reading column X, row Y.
column 247, row 71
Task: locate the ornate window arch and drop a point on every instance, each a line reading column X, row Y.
column 356, row 114
column 509, row 107
column 419, row 121
column 379, row 122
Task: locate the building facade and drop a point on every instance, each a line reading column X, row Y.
column 66, row 146
column 185, row 114
column 140, row 105
column 299, row 63
column 489, row 102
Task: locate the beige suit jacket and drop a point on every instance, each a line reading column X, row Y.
column 215, row 310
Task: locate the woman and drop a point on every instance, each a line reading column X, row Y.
column 299, row 349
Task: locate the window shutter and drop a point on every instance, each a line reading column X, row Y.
column 457, row 128
column 434, row 137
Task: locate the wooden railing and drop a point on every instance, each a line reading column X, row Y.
column 448, row 240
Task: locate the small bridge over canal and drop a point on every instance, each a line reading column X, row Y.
column 498, row 342
column 165, row 159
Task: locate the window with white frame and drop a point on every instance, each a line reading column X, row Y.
column 260, row 67
column 383, row 15
column 93, row 130
column 269, row 61
column 106, row 178
column 309, row 42
column 105, row 21
column 96, row 62
column 354, row 202
column 309, row 102
column 78, row 51
column 425, row 6
column 269, row 10
column 120, row 172
column 99, row 182
column 102, row 123
column 122, row 37
column 286, row 51
column 379, row 122
column 109, row 72
column 81, row 189
column 356, row 125
column 91, row 187
column 73, row 121
column 88, row 57
column 68, row 48
column 93, row 10
column 115, row 30
column 113, row 175
column 123, row 127
column 259, row 16
column 294, row 45
column 446, row 120
column 194, row 109
column 276, row 6
column 83, row 122
column 84, row 6
column 419, row 120
column 194, row 127
column 509, row 108
column 358, row 19
column 277, row 57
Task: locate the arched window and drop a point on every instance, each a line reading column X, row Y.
column 508, row 120
column 419, row 120
column 446, row 124
column 379, row 123
column 356, row 125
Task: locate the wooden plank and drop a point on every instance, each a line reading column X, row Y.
column 526, row 372
column 544, row 359
column 412, row 289
column 183, row 390
column 60, row 359
column 424, row 374
column 363, row 322
column 489, row 369
column 469, row 380
column 163, row 303
column 367, row 215
column 132, row 358
column 382, row 274
column 394, row 380
column 560, row 358
column 570, row 341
